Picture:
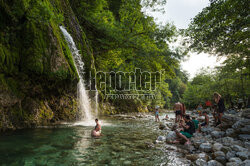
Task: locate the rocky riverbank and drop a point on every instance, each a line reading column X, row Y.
column 227, row 144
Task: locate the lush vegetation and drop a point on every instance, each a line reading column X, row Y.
column 221, row 29
column 124, row 38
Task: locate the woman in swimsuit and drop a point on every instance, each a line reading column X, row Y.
column 97, row 131
column 157, row 114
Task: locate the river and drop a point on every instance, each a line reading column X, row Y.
column 125, row 142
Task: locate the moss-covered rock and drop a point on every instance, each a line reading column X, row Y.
column 38, row 78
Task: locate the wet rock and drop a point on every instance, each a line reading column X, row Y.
column 219, row 153
column 238, row 148
column 206, row 147
column 162, row 126
column 243, row 155
column 197, row 141
column 221, row 159
column 127, row 162
column 214, row 163
column 226, row 149
column 200, row 162
column 246, row 113
column 217, row 147
column 161, row 138
column 207, row 130
column 235, row 160
column 245, row 129
column 230, row 132
column 230, row 154
column 247, row 145
column 241, row 123
column 245, row 163
column 244, row 137
column 227, row 141
column 194, row 157
column 217, row 134
column 171, row 136
column 232, row 164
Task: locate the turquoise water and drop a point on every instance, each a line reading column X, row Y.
column 125, row 142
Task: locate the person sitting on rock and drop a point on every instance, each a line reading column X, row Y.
column 196, row 123
column 188, row 131
column 206, row 123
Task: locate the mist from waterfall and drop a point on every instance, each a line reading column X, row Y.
column 84, row 101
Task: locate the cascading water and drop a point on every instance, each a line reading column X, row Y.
column 96, row 101
column 84, row 101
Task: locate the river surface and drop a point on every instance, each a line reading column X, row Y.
column 125, row 142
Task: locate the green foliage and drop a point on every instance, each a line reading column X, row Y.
column 222, row 28
column 124, row 38
column 231, row 85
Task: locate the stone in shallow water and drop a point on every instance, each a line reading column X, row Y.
column 161, row 138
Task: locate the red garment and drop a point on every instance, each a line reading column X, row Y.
column 208, row 103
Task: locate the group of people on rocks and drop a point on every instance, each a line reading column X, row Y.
column 185, row 127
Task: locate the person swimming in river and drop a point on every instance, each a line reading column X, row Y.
column 97, row 131
column 178, row 111
column 157, row 114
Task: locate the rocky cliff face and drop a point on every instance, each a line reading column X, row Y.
column 37, row 75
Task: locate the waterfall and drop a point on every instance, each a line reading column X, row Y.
column 96, row 101
column 84, row 101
